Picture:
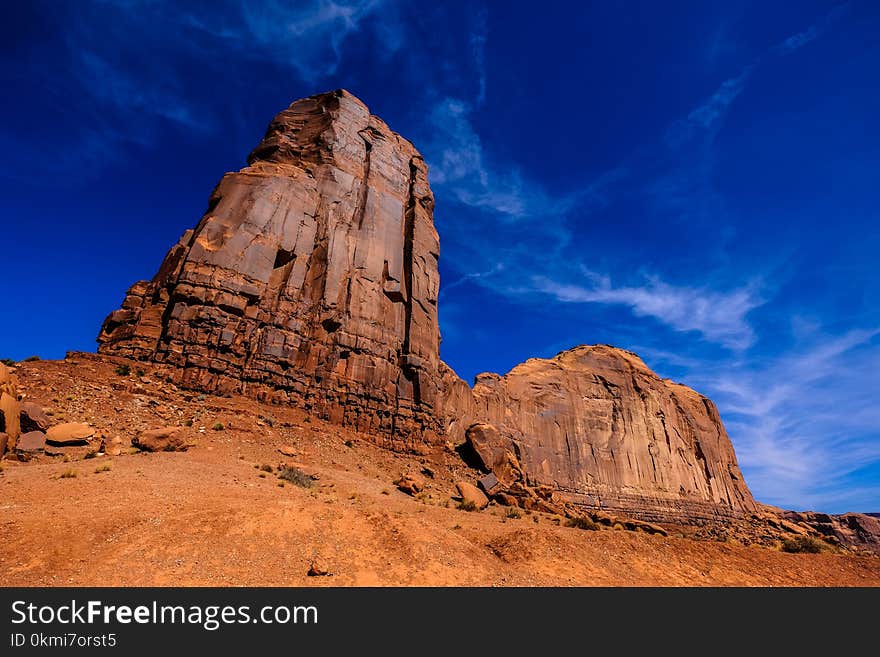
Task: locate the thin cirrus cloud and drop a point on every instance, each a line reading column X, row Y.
column 804, row 423
column 719, row 317
column 130, row 59
column 308, row 37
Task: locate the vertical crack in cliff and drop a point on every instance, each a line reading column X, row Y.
column 360, row 209
column 698, row 450
column 409, row 221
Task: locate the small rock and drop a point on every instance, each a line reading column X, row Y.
column 32, row 441
column 409, row 484
column 546, row 506
column 33, row 417
column 470, row 493
column 505, row 500
column 318, row 568
column 490, row 484
column 287, row 450
column 166, row 439
column 69, row 434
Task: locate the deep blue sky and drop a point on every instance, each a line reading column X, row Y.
column 697, row 182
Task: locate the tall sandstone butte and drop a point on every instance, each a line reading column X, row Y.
column 313, row 279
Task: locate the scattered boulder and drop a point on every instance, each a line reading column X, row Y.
column 287, row 450
column 33, row 417
column 409, row 484
column 547, row 506
column 32, row 441
column 69, row 434
column 166, row 439
column 505, row 499
column 471, row 494
column 495, row 452
column 490, row 484
column 6, row 375
column 10, row 418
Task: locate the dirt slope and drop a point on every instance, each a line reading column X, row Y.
column 207, row 517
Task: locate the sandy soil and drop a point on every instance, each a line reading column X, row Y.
column 207, row 517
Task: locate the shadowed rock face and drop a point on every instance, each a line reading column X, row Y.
column 312, row 277
column 600, row 427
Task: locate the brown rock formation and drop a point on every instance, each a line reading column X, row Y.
column 597, row 425
column 312, row 277
column 852, row 530
column 10, row 408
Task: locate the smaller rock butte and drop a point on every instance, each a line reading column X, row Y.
column 313, row 279
column 606, row 432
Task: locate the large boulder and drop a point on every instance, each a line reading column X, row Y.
column 69, row 434
column 470, row 494
column 10, row 418
column 33, row 417
column 165, row 439
column 495, row 452
column 32, row 441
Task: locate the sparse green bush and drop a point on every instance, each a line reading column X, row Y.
column 140, row 372
column 802, row 545
column 513, row 513
column 102, row 468
column 296, row 477
column 217, row 426
column 91, row 455
column 8, row 362
column 123, row 370
column 466, row 505
column 266, row 467
column 582, row 522
column 68, row 474
column 31, row 359
column 348, row 443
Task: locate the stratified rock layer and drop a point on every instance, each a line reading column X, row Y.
column 312, row 277
column 606, row 432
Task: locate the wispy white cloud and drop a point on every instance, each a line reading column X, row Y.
column 805, row 421
column 459, row 166
column 307, row 36
column 112, row 86
column 478, row 47
column 497, row 268
column 813, row 32
column 718, row 316
column 705, row 120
